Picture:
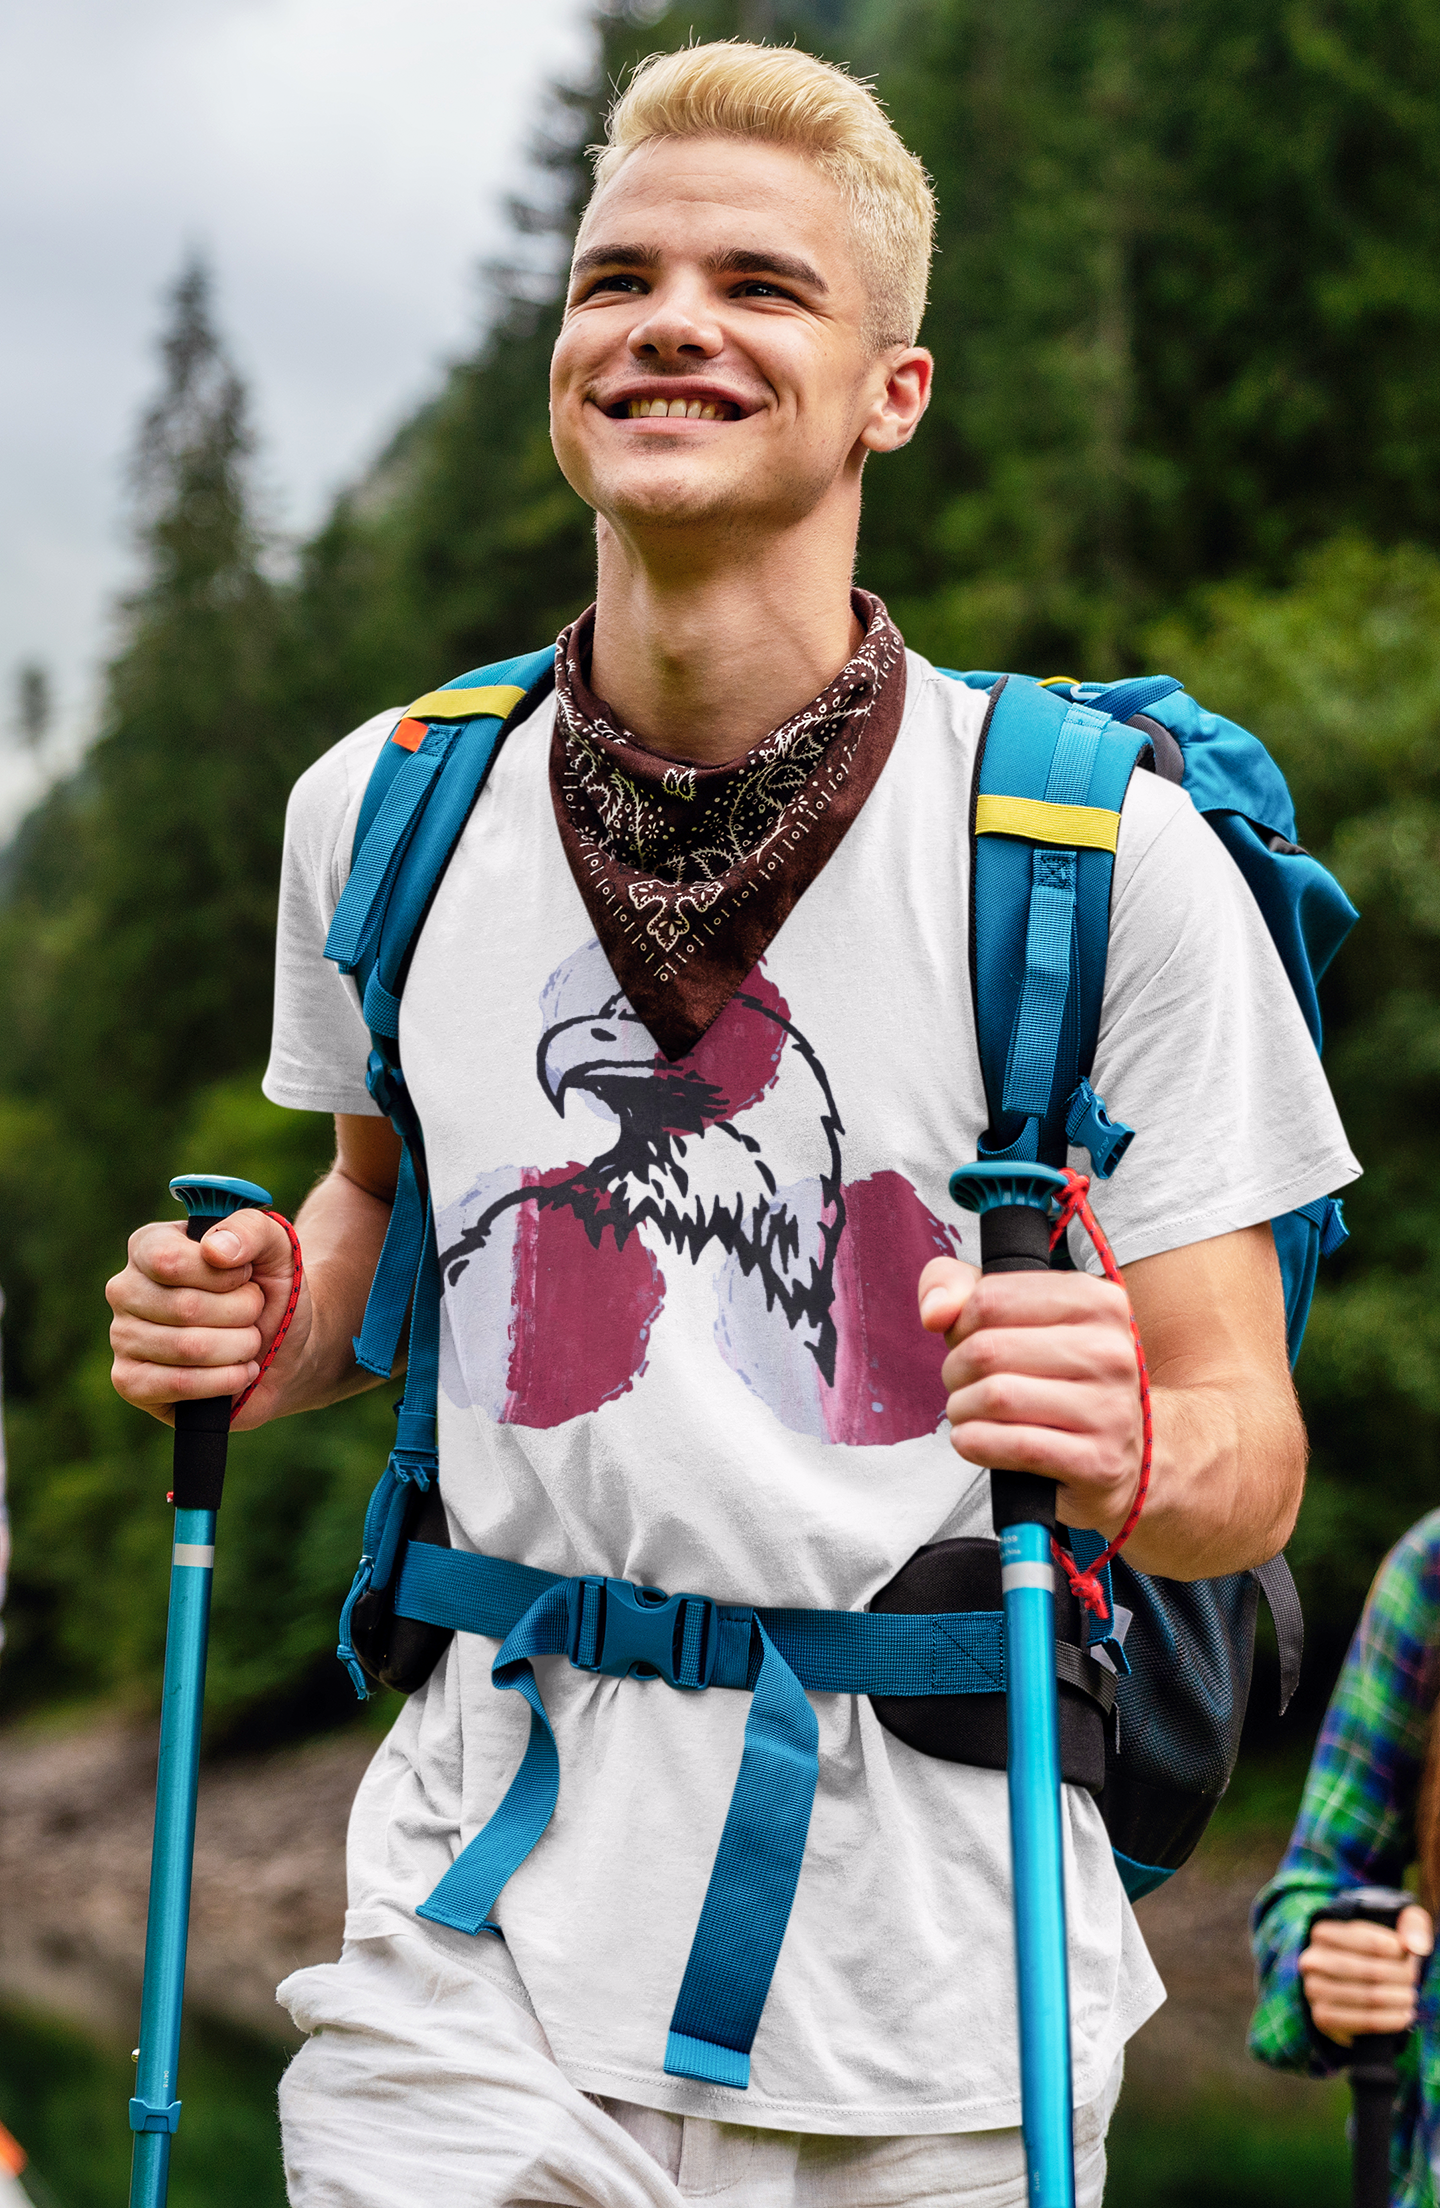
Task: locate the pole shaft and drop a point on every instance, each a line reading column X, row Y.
column 172, row 1856
column 1018, row 1240
column 1038, row 1858
column 1373, row 2081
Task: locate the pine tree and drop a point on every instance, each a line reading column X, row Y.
column 138, row 925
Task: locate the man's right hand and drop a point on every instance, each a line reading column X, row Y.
column 194, row 1319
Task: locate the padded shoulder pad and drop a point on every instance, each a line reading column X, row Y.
column 495, row 693
column 1050, row 780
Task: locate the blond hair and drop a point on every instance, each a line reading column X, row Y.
column 786, row 98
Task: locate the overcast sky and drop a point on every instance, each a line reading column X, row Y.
column 342, row 165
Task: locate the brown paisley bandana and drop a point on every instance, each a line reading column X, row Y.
column 688, row 872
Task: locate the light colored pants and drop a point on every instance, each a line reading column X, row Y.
column 422, row 2086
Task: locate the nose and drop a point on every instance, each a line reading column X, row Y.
column 676, row 328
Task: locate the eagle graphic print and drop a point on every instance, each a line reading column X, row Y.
column 728, row 1160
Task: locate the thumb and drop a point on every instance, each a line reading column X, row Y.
column 246, row 1239
column 1417, row 1934
column 946, row 1286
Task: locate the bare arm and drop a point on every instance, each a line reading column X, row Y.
column 194, row 1318
column 1042, row 1378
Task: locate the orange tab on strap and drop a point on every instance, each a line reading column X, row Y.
column 408, row 734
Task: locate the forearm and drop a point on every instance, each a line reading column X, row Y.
column 1226, row 1479
column 1229, row 1455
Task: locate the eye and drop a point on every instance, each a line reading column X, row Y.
column 759, row 287
column 621, row 281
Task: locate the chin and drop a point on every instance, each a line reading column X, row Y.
column 679, row 498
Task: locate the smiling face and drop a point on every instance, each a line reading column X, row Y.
column 715, row 370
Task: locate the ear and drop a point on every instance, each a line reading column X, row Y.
column 904, row 376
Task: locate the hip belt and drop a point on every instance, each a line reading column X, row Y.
column 692, row 1643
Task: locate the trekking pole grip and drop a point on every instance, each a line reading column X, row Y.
column 202, row 1427
column 1370, row 2057
column 1015, row 1203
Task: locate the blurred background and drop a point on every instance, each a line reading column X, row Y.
column 281, row 282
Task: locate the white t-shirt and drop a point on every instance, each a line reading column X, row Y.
column 759, row 1420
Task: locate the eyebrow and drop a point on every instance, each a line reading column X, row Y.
column 733, row 261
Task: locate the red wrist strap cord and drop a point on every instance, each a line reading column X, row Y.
column 297, row 1274
column 1075, row 1204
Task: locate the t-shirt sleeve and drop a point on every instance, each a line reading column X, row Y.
column 319, row 1042
column 1202, row 1049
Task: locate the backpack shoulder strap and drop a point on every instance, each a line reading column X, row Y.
column 1050, row 779
column 421, row 792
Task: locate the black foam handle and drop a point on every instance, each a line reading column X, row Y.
column 1015, row 1238
column 202, row 1434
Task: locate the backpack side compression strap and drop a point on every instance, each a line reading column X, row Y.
column 1050, row 780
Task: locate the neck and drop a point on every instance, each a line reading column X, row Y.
column 701, row 657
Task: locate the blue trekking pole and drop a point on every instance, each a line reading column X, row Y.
column 1015, row 1203
column 201, row 1433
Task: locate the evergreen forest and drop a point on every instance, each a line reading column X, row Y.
column 1186, row 312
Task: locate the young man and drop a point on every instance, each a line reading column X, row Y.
column 706, row 933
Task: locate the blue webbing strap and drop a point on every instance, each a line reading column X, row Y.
column 395, row 1276
column 1123, row 700
column 415, row 1447
column 777, row 1654
column 467, row 1893
column 1049, row 962
column 752, row 1884
column 829, row 1651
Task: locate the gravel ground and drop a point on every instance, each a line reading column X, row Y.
column 75, row 1810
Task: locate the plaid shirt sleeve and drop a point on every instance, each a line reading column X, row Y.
column 1357, row 1817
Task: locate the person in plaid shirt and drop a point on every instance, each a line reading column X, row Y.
column 1371, row 1807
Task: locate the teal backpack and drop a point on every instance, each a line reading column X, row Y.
column 1156, row 1689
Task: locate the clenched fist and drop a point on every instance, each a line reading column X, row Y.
column 1041, row 1377
column 194, row 1319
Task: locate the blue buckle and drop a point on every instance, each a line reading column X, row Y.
column 635, row 1632
column 384, row 1082
column 1090, row 1127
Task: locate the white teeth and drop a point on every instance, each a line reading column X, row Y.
column 693, row 410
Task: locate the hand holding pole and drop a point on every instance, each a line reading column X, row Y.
column 201, row 1434
column 1015, row 1203
column 1371, row 2055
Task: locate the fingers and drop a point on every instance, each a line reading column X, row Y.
column 200, row 1346
column 1029, row 1300
column 164, row 1255
column 946, row 1285
column 1361, row 1950
column 192, row 1319
column 1415, row 1930
column 1084, row 1351
column 158, row 1388
column 1361, row 1977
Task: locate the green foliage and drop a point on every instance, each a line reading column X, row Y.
column 1184, row 309
column 65, row 2097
